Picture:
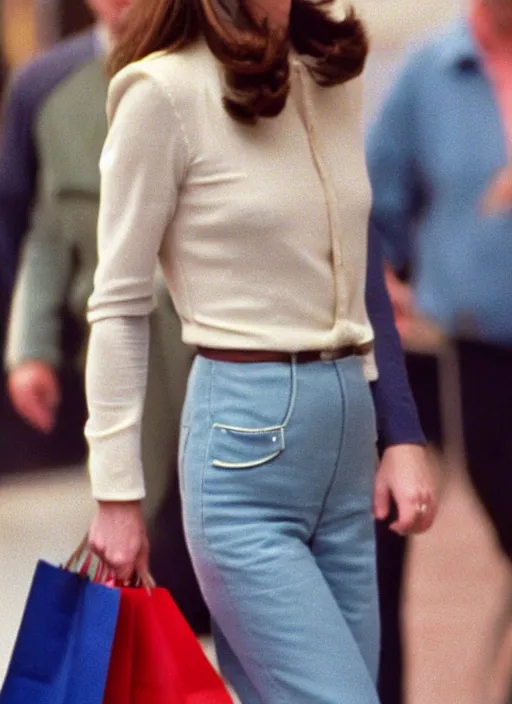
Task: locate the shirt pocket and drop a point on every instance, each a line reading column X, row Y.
column 245, row 448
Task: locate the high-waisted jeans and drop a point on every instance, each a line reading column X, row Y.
column 277, row 463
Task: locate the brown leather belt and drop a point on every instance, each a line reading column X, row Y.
column 301, row 357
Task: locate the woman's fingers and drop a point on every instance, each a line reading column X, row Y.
column 381, row 499
column 406, row 474
column 142, row 567
column 416, row 512
column 118, row 538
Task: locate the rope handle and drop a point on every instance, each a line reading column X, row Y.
column 89, row 566
column 76, row 555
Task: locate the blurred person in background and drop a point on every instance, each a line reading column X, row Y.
column 3, row 74
column 440, row 164
column 49, row 178
column 57, row 19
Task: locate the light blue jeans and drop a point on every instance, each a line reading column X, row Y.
column 277, row 463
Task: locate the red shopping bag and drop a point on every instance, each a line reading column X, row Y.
column 156, row 657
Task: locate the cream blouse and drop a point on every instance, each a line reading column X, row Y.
column 261, row 233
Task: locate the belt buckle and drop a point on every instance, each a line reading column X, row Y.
column 328, row 355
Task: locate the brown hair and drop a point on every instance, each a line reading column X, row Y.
column 255, row 59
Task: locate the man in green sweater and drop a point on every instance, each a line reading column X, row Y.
column 55, row 126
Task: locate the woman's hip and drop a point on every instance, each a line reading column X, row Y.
column 271, row 436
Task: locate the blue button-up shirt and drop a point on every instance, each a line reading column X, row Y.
column 432, row 153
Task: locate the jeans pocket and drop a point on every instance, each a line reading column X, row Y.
column 243, row 448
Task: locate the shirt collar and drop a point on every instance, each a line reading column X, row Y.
column 460, row 50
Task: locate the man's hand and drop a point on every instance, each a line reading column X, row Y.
column 406, row 475
column 498, row 198
column 34, row 390
column 416, row 332
column 400, row 293
column 401, row 297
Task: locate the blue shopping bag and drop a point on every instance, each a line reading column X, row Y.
column 62, row 652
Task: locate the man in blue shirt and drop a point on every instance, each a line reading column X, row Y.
column 435, row 153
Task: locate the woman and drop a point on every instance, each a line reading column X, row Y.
column 235, row 156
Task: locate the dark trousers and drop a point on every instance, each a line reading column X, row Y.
column 486, row 398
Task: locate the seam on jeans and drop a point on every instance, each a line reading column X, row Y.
column 293, row 394
column 344, row 415
column 343, row 405
column 243, row 629
column 209, row 443
column 208, row 550
column 344, row 410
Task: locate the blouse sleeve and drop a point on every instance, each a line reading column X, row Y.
column 142, row 166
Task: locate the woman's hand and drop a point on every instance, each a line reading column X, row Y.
column 118, row 537
column 406, row 475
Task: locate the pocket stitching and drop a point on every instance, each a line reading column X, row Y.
column 245, row 465
column 249, row 431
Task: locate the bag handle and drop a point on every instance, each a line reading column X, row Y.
column 83, row 559
column 76, row 554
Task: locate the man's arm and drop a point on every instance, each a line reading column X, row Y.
column 18, row 174
column 40, row 293
column 33, row 349
column 19, row 162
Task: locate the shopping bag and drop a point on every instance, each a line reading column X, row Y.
column 141, row 669
column 156, row 658
column 64, row 644
column 199, row 679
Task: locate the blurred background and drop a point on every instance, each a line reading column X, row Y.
column 456, row 577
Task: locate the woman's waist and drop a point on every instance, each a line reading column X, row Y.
column 241, row 356
column 284, row 344
column 262, row 399
column 267, row 338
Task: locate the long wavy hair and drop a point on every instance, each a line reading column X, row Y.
column 254, row 56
